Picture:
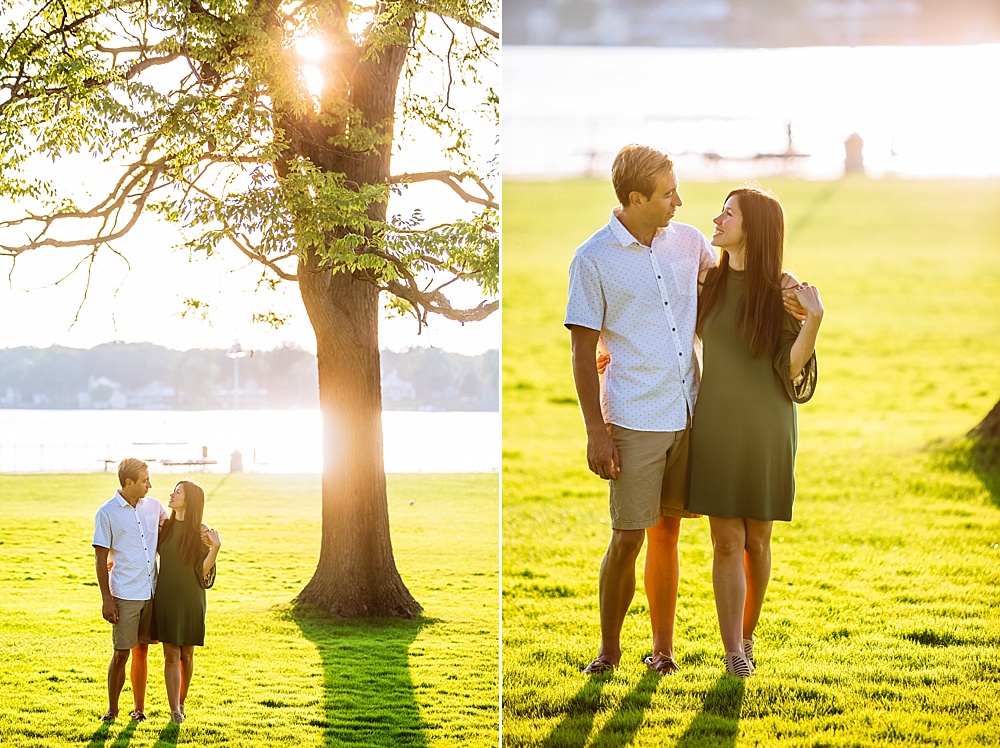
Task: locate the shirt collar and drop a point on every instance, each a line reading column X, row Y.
column 624, row 236
column 122, row 502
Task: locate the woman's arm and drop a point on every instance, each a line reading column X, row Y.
column 805, row 342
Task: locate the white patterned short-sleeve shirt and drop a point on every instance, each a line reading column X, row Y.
column 644, row 302
column 131, row 534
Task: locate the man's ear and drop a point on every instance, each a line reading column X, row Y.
column 635, row 198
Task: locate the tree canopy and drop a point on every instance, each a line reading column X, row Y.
column 240, row 120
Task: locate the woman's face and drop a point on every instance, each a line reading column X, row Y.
column 176, row 500
column 729, row 227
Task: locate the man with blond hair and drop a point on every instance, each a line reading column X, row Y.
column 126, row 531
column 633, row 290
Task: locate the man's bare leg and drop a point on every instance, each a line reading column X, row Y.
column 116, row 679
column 617, row 588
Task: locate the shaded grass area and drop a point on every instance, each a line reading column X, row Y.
column 270, row 673
column 882, row 621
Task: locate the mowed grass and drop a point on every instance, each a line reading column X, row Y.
column 882, row 620
column 269, row 674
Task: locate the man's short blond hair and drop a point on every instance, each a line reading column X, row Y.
column 130, row 467
column 636, row 169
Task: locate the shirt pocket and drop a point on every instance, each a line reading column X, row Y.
column 685, row 276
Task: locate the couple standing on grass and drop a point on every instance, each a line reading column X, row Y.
column 146, row 601
column 647, row 294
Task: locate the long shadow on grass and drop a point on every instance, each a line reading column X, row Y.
column 100, row 737
column 621, row 728
column 718, row 723
column 168, row 735
column 367, row 691
column 576, row 725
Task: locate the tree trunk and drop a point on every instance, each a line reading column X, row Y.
column 989, row 428
column 356, row 575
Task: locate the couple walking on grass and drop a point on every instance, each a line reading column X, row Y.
column 153, row 568
column 690, row 410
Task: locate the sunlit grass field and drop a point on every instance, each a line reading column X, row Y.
column 882, row 622
column 269, row 674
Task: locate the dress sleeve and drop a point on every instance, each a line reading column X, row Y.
column 205, row 580
column 802, row 388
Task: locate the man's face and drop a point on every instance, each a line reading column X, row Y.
column 138, row 489
column 658, row 209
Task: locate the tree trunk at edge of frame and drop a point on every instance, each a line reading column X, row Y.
column 989, row 427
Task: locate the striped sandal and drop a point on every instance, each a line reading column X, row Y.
column 748, row 651
column 738, row 665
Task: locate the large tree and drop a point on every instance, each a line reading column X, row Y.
column 209, row 112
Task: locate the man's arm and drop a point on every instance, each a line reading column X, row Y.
column 602, row 455
column 109, row 609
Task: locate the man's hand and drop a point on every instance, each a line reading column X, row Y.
column 602, row 455
column 110, row 610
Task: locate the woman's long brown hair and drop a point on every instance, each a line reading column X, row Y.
column 190, row 528
column 760, row 314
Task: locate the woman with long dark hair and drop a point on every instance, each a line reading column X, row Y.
column 758, row 362
column 187, row 550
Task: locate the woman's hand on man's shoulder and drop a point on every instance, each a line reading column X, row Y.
column 788, row 297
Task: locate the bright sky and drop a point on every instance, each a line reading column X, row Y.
column 144, row 302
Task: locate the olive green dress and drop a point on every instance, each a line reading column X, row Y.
column 179, row 604
column 744, row 432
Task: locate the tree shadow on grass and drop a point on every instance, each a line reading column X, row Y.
column 368, row 695
column 718, row 723
column 974, row 454
column 984, row 459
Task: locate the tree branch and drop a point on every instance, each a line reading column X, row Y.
column 453, row 180
column 472, row 24
column 437, row 302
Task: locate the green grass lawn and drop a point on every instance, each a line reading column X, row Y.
column 882, row 621
column 269, row 674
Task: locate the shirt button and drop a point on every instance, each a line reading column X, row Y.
column 680, row 354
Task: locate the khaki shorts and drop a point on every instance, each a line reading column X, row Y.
column 135, row 622
column 653, row 478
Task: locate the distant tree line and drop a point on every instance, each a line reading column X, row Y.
column 284, row 377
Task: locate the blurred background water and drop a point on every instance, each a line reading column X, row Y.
column 919, row 111
column 269, row 441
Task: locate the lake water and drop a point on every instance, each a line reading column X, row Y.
column 270, row 441
column 921, row 111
